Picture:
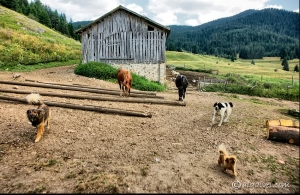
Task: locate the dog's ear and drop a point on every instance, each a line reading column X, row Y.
column 220, row 105
column 231, row 105
column 41, row 112
column 215, row 104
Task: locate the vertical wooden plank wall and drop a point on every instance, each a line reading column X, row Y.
column 123, row 38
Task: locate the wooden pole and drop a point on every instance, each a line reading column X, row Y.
column 86, row 86
column 118, row 99
column 87, row 107
column 76, row 89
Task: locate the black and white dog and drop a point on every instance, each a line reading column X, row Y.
column 222, row 108
column 181, row 84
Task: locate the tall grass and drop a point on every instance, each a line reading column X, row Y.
column 24, row 42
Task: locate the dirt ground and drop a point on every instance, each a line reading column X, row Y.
column 174, row 151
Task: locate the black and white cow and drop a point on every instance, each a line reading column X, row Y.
column 181, row 83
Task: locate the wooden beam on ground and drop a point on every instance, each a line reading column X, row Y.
column 89, row 87
column 118, row 99
column 86, row 107
column 77, row 89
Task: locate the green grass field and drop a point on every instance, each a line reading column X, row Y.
column 263, row 68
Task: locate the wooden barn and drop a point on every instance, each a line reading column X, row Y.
column 123, row 38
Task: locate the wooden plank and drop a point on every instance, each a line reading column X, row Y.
column 141, row 47
column 155, row 47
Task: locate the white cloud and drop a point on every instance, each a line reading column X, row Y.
column 192, row 22
column 297, row 10
column 206, row 10
column 136, row 8
column 80, row 10
column 165, row 12
column 165, row 18
column 274, row 6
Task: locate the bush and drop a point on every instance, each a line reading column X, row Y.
column 256, row 88
column 106, row 72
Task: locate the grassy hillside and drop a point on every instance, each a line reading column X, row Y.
column 265, row 67
column 24, row 41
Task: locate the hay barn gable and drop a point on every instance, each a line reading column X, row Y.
column 123, row 38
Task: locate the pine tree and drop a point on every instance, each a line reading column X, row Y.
column 296, row 69
column 285, row 65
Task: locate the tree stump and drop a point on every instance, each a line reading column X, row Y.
column 283, row 131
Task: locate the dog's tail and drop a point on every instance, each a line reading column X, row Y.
column 34, row 98
column 222, row 150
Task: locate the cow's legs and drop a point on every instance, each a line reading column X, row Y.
column 184, row 90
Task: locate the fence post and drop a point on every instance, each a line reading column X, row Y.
column 203, row 81
column 292, row 80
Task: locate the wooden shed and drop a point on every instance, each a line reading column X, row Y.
column 123, row 38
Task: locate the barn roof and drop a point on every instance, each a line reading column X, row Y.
column 120, row 7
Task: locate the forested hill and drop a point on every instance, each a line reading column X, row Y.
column 252, row 34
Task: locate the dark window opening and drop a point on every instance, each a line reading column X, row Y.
column 150, row 28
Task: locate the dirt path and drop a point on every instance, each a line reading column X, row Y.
column 175, row 151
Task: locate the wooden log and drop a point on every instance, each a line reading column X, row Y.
column 118, row 99
column 86, row 107
column 283, row 134
column 294, row 112
column 77, row 89
column 86, row 86
column 282, row 122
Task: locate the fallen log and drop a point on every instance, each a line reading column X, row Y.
column 119, row 99
column 98, row 88
column 294, row 112
column 85, row 107
column 77, row 89
column 283, row 131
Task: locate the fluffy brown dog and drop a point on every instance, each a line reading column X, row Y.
column 40, row 116
column 228, row 162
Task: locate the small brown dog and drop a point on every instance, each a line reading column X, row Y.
column 228, row 162
column 40, row 116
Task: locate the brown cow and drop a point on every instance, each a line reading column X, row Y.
column 125, row 81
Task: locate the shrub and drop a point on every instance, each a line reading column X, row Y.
column 106, row 72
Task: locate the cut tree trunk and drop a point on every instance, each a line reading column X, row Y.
column 283, row 131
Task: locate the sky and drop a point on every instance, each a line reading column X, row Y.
column 166, row 12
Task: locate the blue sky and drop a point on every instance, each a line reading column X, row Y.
column 167, row 12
